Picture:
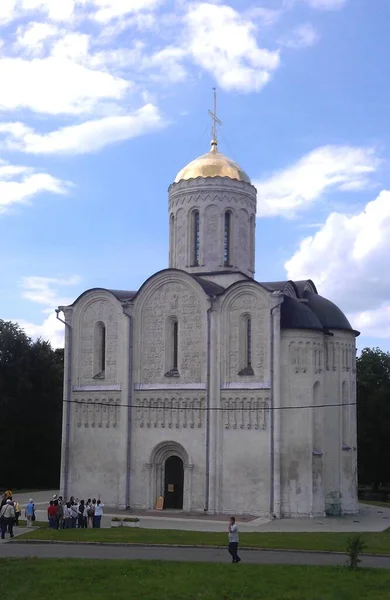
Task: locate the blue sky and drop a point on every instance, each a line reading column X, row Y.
column 102, row 102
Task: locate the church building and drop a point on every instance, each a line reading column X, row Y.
column 220, row 393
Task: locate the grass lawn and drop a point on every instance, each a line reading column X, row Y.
column 376, row 503
column 377, row 543
column 71, row 579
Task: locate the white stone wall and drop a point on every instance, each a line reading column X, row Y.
column 245, row 456
column 302, row 435
column 340, row 423
column 212, row 197
column 98, row 421
column 318, row 467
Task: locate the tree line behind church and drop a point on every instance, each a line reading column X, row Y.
column 31, row 380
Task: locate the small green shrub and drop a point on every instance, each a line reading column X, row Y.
column 131, row 520
column 355, row 548
column 116, row 519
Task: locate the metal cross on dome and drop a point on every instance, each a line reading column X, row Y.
column 213, row 115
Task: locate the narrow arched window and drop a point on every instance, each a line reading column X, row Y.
column 99, row 349
column 172, row 241
column 252, row 225
column 195, row 241
column 245, row 349
column 175, row 345
column 248, row 342
column 227, row 239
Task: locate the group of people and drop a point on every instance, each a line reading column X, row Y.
column 74, row 513
column 9, row 514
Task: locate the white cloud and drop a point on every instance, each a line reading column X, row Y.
column 326, row 4
column 31, row 37
column 51, row 330
column 18, row 184
column 327, row 168
column 224, row 43
column 55, row 86
column 301, row 37
column 106, row 10
column 7, row 11
column 90, row 136
column 46, row 291
column 348, row 259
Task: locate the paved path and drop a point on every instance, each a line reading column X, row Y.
column 370, row 518
column 263, row 557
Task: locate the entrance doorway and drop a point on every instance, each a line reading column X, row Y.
column 173, row 483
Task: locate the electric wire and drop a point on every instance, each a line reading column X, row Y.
column 207, row 408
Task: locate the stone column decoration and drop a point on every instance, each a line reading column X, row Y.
column 275, row 332
column 149, row 496
column 187, row 496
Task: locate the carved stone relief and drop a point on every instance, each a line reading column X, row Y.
column 298, row 356
column 245, row 413
column 100, row 413
column 106, row 312
column 247, row 304
column 170, row 413
column 180, row 301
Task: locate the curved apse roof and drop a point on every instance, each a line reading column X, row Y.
column 327, row 312
column 296, row 315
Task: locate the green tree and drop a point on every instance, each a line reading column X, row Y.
column 373, row 404
column 31, row 375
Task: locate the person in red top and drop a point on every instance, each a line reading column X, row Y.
column 52, row 515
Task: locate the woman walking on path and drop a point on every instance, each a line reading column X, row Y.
column 233, row 540
column 29, row 512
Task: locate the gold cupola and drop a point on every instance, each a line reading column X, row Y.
column 212, row 164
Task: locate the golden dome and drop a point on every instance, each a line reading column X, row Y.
column 212, row 164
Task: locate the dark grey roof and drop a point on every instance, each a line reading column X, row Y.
column 274, row 286
column 328, row 313
column 300, row 286
column 296, row 315
column 123, row 294
column 209, row 287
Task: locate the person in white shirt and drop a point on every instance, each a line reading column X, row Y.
column 98, row 514
column 7, row 518
column 233, row 540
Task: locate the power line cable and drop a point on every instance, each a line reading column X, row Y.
column 207, row 408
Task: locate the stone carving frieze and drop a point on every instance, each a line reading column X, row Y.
column 170, row 413
column 180, row 301
column 299, row 356
column 245, row 413
column 99, row 413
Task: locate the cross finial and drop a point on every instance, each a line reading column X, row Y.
column 213, row 115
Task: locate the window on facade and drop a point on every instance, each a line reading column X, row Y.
column 345, row 416
column 172, row 241
column 172, row 355
column 252, row 243
column 100, row 350
column 175, row 353
column 195, row 239
column 227, row 239
column 246, row 346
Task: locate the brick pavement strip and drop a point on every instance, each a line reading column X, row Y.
column 180, row 554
